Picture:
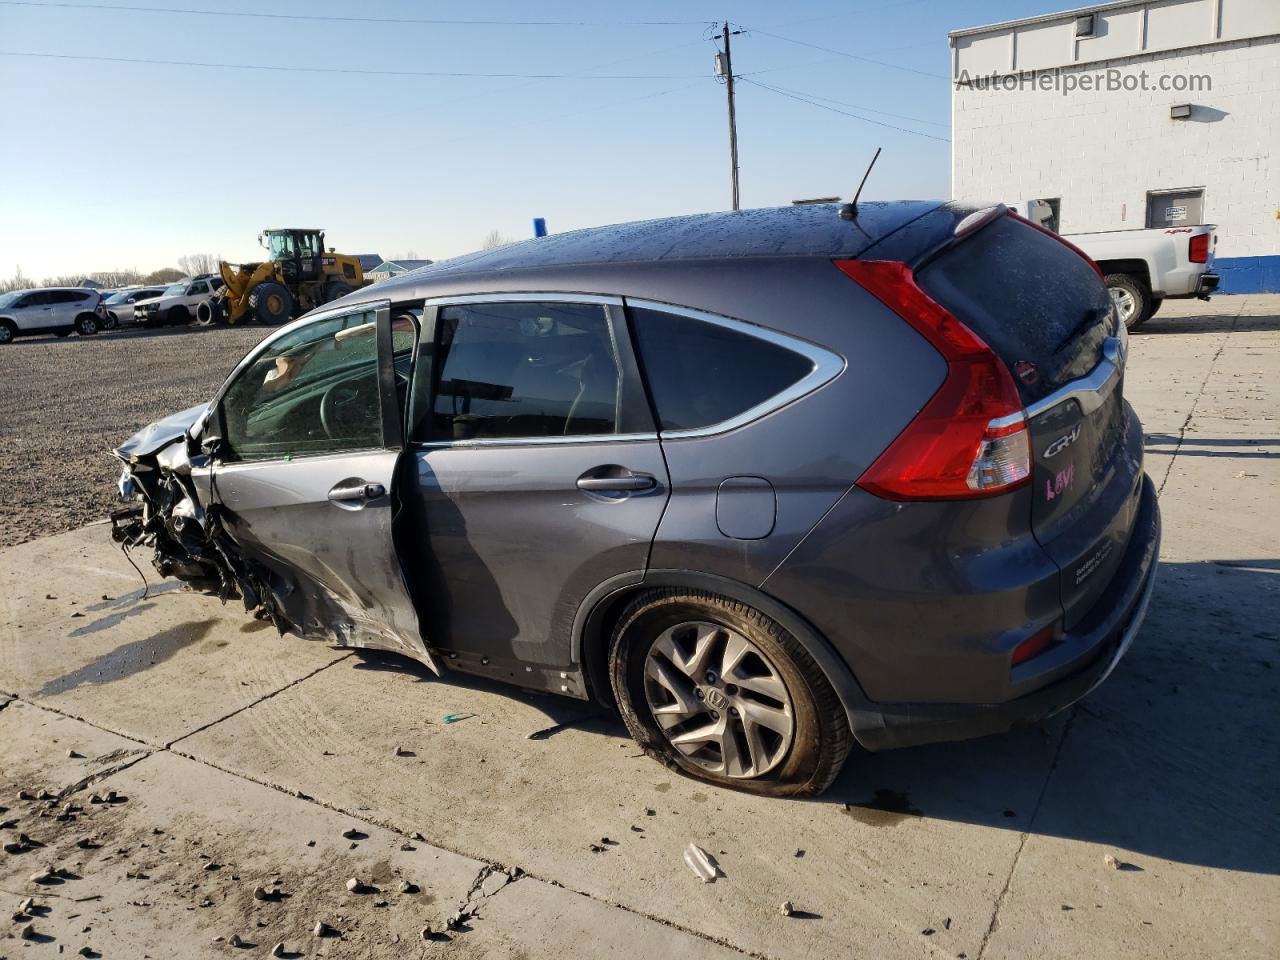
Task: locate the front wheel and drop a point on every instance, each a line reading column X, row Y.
column 335, row 290
column 271, row 303
column 178, row 316
column 720, row 692
column 7, row 332
column 1130, row 297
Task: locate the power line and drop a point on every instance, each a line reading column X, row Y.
column 856, row 106
column 843, row 113
column 845, row 53
column 430, row 21
column 348, row 70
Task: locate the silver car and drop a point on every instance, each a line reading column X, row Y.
column 60, row 310
column 120, row 306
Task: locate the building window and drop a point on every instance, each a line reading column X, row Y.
column 1175, row 208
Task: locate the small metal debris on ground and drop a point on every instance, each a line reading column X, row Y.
column 701, row 863
column 455, row 717
column 278, row 949
column 786, row 909
column 235, row 940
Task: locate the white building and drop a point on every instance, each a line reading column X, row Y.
column 1131, row 114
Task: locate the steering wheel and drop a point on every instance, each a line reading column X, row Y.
column 342, row 408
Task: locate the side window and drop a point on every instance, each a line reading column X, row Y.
column 34, row 300
column 200, row 287
column 522, row 370
column 312, row 391
column 700, row 373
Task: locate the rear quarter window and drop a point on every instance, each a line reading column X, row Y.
column 701, row 374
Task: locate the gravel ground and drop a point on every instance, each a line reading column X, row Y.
column 65, row 403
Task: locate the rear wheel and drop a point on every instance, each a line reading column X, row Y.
column 271, row 303
column 7, row 332
column 720, row 692
column 86, row 324
column 177, row 316
column 1131, row 298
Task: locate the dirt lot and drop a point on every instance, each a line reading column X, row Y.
column 65, row 403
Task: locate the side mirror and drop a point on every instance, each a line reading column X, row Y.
column 211, row 438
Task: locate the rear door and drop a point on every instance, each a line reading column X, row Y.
column 536, row 475
column 312, row 428
column 1044, row 311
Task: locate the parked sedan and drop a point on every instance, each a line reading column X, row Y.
column 120, row 306
column 768, row 482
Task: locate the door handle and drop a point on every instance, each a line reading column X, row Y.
column 356, row 490
column 633, row 481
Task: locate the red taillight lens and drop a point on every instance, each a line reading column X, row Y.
column 1035, row 644
column 1199, row 252
column 1062, row 240
column 970, row 440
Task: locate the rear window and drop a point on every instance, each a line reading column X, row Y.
column 701, row 373
column 1039, row 305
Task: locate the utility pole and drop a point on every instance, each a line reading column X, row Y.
column 727, row 73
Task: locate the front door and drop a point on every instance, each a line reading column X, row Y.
column 312, row 437
column 536, row 475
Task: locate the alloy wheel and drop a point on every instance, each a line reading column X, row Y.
column 718, row 699
column 1125, row 304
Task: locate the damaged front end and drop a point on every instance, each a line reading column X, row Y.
column 166, row 477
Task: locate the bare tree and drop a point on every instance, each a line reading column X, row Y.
column 197, row 263
column 17, row 282
column 493, row 238
column 164, row 275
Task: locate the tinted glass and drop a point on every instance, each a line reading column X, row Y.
column 201, row 287
column 520, row 370
column 312, row 391
column 1030, row 297
column 700, row 373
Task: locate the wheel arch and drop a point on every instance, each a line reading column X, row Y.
column 599, row 611
column 1138, row 269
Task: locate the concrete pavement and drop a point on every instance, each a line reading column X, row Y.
column 243, row 748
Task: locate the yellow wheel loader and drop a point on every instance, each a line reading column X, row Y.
column 299, row 276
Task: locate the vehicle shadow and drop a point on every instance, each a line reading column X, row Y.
column 1161, row 325
column 1176, row 756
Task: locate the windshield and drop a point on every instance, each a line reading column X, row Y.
column 10, row 298
column 176, row 290
column 281, row 246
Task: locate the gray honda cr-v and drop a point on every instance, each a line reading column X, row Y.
column 771, row 482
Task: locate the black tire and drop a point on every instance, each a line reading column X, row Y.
column 177, row 316
column 1156, row 304
column 109, row 322
column 271, row 303
column 333, row 291
column 87, row 324
column 1130, row 295
column 7, row 332
column 820, row 738
column 208, row 313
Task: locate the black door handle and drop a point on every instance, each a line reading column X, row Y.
column 356, row 490
column 632, row 481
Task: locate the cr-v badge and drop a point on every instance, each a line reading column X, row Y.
column 1064, row 441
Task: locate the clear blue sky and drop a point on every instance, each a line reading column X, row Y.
column 114, row 165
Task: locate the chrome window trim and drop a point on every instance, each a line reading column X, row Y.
column 548, row 296
column 532, row 441
column 1092, row 390
column 827, row 365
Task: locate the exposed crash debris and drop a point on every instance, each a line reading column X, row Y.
column 702, row 863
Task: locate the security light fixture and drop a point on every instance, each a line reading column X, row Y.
column 1181, row 111
column 1085, row 25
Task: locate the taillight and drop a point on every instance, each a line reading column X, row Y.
column 1062, row 240
column 1199, row 252
column 970, row 440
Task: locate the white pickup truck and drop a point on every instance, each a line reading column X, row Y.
column 1142, row 268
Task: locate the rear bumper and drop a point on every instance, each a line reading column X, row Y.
column 880, row 726
column 1207, row 285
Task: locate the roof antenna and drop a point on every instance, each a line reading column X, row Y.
column 850, row 210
